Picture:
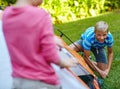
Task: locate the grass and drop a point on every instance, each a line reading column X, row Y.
column 74, row 29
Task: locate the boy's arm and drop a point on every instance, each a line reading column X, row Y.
column 110, row 58
column 88, row 61
column 92, row 65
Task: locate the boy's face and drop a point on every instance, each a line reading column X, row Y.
column 101, row 35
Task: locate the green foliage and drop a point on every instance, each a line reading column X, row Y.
column 113, row 4
column 9, row 1
column 4, row 3
column 71, row 10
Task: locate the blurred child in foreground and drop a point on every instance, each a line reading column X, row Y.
column 30, row 39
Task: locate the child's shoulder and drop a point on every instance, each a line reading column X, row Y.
column 109, row 36
column 90, row 29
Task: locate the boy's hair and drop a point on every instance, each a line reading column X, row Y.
column 101, row 26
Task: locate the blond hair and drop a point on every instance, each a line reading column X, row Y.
column 101, row 26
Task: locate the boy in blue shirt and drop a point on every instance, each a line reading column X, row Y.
column 95, row 39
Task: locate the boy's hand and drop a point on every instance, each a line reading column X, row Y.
column 104, row 74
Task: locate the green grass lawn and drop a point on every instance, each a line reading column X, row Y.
column 74, row 29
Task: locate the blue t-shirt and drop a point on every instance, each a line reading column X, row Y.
column 89, row 40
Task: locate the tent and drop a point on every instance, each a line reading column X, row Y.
column 69, row 80
column 82, row 70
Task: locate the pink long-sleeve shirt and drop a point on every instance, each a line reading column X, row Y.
column 30, row 39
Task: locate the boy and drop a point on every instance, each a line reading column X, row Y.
column 95, row 39
column 29, row 36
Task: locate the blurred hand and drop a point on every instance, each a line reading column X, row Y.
column 68, row 63
column 58, row 42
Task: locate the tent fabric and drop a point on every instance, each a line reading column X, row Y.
column 82, row 68
column 69, row 81
column 79, row 70
column 5, row 64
